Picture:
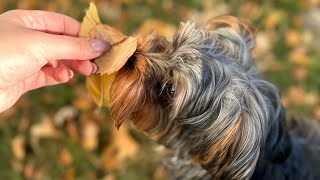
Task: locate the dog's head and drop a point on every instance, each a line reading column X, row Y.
column 200, row 95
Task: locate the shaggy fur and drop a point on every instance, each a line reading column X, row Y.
column 202, row 97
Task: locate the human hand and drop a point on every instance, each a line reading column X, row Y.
column 39, row 48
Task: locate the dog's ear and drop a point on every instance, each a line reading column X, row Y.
column 132, row 95
column 129, row 98
column 242, row 27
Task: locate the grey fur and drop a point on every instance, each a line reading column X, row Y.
column 202, row 97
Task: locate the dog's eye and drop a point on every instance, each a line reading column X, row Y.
column 166, row 94
column 171, row 90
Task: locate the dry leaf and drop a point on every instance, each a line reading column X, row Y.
column 160, row 173
column 99, row 88
column 274, row 19
column 300, row 73
column 117, row 56
column 70, row 174
column 109, row 177
column 292, row 38
column 65, row 157
column 123, row 47
column 44, row 129
column 29, row 171
column 72, row 130
column 18, row 147
column 297, row 95
column 90, row 132
column 299, row 56
column 83, row 102
column 122, row 147
column 89, row 21
column 17, row 165
column 311, row 98
column 107, row 33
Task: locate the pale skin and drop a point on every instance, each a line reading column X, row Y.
column 38, row 49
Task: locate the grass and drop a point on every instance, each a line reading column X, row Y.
column 47, row 101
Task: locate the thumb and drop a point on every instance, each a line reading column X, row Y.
column 56, row 47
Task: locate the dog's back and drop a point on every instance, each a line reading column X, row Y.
column 306, row 134
column 299, row 156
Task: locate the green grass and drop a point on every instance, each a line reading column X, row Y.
column 47, row 101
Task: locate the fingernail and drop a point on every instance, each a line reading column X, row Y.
column 70, row 74
column 95, row 67
column 99, row 45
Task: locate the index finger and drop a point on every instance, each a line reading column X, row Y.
column 46, row 21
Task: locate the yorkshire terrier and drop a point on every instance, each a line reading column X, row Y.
column 202, row 97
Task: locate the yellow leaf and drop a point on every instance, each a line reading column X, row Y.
column 293, row 38
column 299, row 56
column 274, row 19
column 107, row 33
column 121, row 148
column 99, row 88
column 296, row 95
column 123, row 47
column 300, row 73
column 117, row 56
column 44, row 129
column 90, row 132
column 89, row 21
column 65, row 157
column 18, row 147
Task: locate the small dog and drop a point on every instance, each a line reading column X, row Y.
column 202, row 97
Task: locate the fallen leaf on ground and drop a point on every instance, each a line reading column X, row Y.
column 122, row 148
column 300, row 73
column 292, row 38
column 70, row 174
column 274, row 19
column 297, row 95
column 65, row 157
column 299, row 56
column 44, row 129
column 18, row 147
column 110, row 177
column 311, row 98
column 160, row 173
column 90, row 132
column 33, row 171
column 72, row 130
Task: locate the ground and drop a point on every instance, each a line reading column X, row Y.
column 59, row 133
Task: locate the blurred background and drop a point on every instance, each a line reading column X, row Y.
column 59, row 133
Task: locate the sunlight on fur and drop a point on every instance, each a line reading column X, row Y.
column 202, row 97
